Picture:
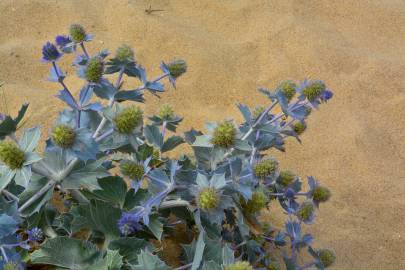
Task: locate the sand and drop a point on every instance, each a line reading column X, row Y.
column 355, row 144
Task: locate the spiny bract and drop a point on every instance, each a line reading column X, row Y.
column 63, row 136
column 239, row 266
column 208, row 198
column 321, row 194
column 327, row 257
column 224, row 135
column 265, row 168
column 258, row 111
column 299, row 127
column 313, row 90
column 132, row 169
column 124, row 52
column 77, row 33
column 288, row 88
column 128, row 119
column 11, row 155
column 94, row 70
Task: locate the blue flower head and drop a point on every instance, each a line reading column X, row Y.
column 129, row 223
column 65, row 43
column 35, row 235
column 50, row 53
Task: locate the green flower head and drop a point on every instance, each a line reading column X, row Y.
column 130, row 118
column 321, row 194
column 313, row 90
column 286, row 178
column 288, row 88
column 63, row 136
column 132, row 169
column 208, row 198
column 258, row 111
column 257, row 203
column 166, row 112
column 124, row 52
column 306, row 212
column 11, row 266
column 77, row 33
column 94, row 70
column 11, row 155
column 265, row 168
column 224, row 135
column 299, row 127
column 327, row 257
column 239, row 266
column 177, row 68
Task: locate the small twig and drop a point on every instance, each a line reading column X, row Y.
column 149, row 10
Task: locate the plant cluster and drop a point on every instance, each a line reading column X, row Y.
column 105, row 195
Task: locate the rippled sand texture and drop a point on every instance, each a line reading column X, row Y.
column 355, row 144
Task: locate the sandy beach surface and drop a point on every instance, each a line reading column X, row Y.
column 355, row 144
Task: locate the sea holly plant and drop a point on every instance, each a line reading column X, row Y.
column 105, row 193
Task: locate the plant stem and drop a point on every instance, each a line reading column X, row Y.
column 84, row 49
column 4, row 254
column 184, row 266
column 10, row 195
column 37, row 195
column 266, row 111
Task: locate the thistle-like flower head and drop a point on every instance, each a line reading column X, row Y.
column 11, row 266
column 128, row 119
column 11, row 155
column 124, row 53
column 166, row 112
column 94, row 70
column 286, row 178
column 256, row 203
column 77, row 33
column 265, row 168
column 208, row 198
column 63, row 136
column 50, row 53
column 239, row 266
column 224, row 135
column 132, row 169
column 327, row 257
column 306, row 212
column 313, row 90
column 35, row 235
column 299, row 127
column 288, row 88
column 177, row 68
column 321, row 194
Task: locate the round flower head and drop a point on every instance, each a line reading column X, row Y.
column 257, row 203
column 208, row 198
column 11, row 155
column 177, row 68
column 50, row 53
column 127, row 120
column 288, row 88
column 94, row 70
column 124, row 53
column 239, row 266
column 299, row 127
column 77, row 33
column 320, row 194
column 265, row 168
column 224, row 135
column 326, row 257
column 313, row 90
column 306, row 212
column 166, row 112
column 286, row 178
column 258, row 111
column 35, row 235
column 63, row 136
column 132, row 169
column 11, row 266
